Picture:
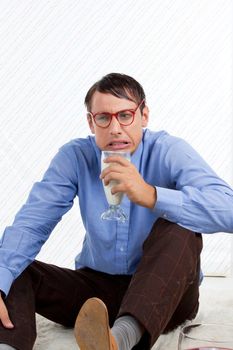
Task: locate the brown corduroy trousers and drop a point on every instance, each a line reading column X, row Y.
column 161, row 295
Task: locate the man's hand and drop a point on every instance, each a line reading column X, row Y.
column 4, row 316
column 130, row 181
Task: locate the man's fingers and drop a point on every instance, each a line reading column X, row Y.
column 4, row 316
column 114, row 178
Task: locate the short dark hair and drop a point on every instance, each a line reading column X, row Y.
column 119, row 85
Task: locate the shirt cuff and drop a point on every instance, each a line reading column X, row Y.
column 168, row 204
column 6, row 280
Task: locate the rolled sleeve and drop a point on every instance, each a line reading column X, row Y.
column 168, row 204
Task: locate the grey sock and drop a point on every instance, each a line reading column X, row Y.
column 6, row 347
column 127, row 332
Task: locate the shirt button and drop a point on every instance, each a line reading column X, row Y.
column 121, row 249
column 165, row 215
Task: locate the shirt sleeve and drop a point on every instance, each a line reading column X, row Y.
column 195, row 198
column 48, row 201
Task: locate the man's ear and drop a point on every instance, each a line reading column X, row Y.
column 145, row 116
column 90, row 123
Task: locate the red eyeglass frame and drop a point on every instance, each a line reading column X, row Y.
column 116, row 115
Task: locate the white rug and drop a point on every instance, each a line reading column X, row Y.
column 216, row 306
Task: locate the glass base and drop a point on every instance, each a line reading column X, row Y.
column 114, row 213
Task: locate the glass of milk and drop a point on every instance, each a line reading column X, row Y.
column 114, row 212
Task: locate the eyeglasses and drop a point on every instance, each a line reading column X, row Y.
column 124, row 117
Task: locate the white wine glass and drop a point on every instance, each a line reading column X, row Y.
column 206, row 336
column 114, row 212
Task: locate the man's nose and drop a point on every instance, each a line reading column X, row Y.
column 115, row 126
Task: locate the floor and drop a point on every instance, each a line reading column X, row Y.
column 216, row 306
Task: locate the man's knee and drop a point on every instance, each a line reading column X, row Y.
column 172, row 235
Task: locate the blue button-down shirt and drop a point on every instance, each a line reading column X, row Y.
column 189, row 194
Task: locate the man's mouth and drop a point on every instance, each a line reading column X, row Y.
column 118, row 144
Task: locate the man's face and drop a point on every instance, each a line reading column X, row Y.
column 117, row 137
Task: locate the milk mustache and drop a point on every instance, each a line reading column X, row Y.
column 113, row 199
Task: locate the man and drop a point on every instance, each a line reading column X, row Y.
column 140, row 277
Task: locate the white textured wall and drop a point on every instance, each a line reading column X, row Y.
column 52, row 51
